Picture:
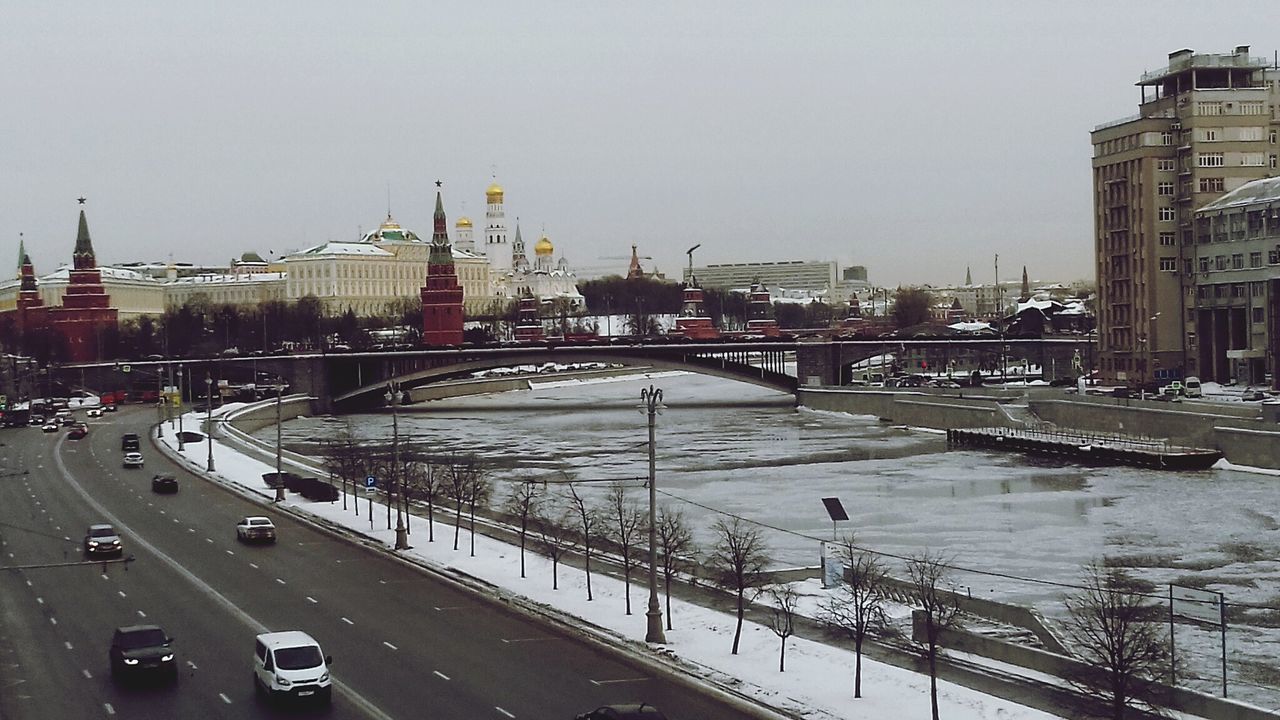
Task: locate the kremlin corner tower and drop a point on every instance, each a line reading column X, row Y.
column 442, row 295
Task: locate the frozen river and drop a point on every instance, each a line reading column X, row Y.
column 748, row 451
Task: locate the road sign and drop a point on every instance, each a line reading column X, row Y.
column 370, row 482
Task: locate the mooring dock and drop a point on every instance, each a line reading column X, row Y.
column 1089, row 448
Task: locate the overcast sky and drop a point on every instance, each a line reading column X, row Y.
column 913, row 138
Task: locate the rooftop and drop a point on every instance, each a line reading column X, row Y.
column 1263, row 191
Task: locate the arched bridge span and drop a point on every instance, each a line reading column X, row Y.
column 359, row 380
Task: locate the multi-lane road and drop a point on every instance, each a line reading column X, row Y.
column 405, row 644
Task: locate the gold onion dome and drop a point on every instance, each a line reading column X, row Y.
column 389, row 224
column 544, row 246
column 494, row 192
column 464, row 221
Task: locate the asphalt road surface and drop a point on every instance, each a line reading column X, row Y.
column 404, row 644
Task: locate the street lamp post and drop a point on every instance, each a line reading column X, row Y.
column 208, row 417
column 159, row 403
column 279, row 477
column 393, row 396
column 652, row 399
column 181, row 409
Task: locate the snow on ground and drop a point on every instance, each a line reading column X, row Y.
column 817, row 683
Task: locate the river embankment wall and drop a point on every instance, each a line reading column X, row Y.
column 1246, row 435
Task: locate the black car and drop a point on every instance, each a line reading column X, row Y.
column 130, row 441
column 164, row 484
column 640, row 711
column 142, row 650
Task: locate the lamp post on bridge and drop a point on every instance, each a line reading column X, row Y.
column 652, row 399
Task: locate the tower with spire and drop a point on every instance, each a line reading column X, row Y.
column 1026, row 286
column 634, row 270
column 30, row 316
column 442, row 295
column 86, row 320
column 760, row 319
column 496, row 247
column 519, row 261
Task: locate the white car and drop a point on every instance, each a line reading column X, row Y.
column 256, row 529
column 133, row 460
column 50, row 427
column 94, row 412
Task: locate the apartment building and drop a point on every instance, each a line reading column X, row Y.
column 1206, row 125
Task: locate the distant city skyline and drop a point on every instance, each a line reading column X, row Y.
column 915, row 140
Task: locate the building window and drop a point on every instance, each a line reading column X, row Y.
column 1219, row 291
column 1168, row 264
column 1166, row 138
column 1208, row 108
column 1256, row 288
column 1211, row 160
column 1202, row 291
column 1237, row 261
column 1250, row 133
column 1220, row 262
column 1258, row 315
column 1211, row 134
column 1167, row 164
column 1255, row 259
column 1252, row 108
column 1252, row 159
column 1271, row 137
column 1165, row 189
column 1168, row 238
column 1273, row 161
column 1211, row 184
column 1204, row 264
column 1167, row 214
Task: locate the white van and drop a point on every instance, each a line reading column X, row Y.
column 291, row 664
column 1191, row 387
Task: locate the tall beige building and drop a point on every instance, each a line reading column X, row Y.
column 1206, row 125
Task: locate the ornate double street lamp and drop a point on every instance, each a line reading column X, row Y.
column 208, row 417
column 279, row 477
column 393, row 396
column 651, row 398
column 160, row 408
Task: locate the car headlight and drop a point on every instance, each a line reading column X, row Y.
column 93, row 543
column 115, row 542
column 130, row 661
column 324, row 677
column 282, row 682
column 167, row 658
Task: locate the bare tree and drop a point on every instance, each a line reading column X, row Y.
column 737, row 563
column 939, row 607
column 1110, row 625
column 458, row 481
column 782, row 618
column 479, row 490
column 523, row 505
column 426, row 483
column 588, row 521
column 626, row 524
column 675, row 540
column 553, row 529
column 344, row 459
column 856, row 606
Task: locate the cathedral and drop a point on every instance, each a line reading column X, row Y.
column 546, row 279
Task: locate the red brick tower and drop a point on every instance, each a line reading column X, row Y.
column 442, row 295
column 529, row 324
column 30, row 316
column 85, row 315
column 693, row 322
column 760, row 320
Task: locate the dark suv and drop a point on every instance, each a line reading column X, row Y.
column 142, row 649
column 130, row 441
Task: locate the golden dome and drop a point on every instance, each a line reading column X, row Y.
column 494, row 192
column 389, row 224
column 544, row 246
column 464, row 221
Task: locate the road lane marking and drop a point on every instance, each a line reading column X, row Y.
column 393, row 647
column 208, row 540
column 224, row 697
column 347, row 621
column 442, row 675
column 177, row 521
column 449, row 607
column 253, row 565
column 67, row 643
column 53, row 621
column 121, row 592
column 529, row 639
column 29, row 582
column 230, row 552
column 312, row 600
column 504, row 712
column 110, row 710
column 619, row 680
column 39, row 601
column 193, row 665
column 141, row 614
column 282, row 582
column 87, row 674
column 361, row 702
column 191, row 530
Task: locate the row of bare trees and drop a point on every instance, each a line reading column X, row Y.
column 1110, row 623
